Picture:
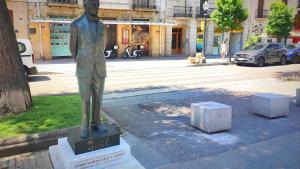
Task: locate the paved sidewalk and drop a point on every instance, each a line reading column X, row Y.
column 35, row 160
column 161, row 136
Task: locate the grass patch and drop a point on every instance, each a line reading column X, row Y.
column 48, row 113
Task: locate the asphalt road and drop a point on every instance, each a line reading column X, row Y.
column 58, row 77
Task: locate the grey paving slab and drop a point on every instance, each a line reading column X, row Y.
column 280, row 152
column 162, row 123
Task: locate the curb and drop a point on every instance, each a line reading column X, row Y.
column 36, row 142
column 209, row 64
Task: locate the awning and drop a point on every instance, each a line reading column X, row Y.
column 107, row 22
column 295, row 33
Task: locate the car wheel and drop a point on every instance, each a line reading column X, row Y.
column 295, row 60
column 283, row 60
column 261, row 62
column 239, row 64
column 26, row 73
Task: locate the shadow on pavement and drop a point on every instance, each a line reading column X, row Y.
column 288, row 76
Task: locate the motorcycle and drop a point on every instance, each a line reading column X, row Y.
column 136, row 53
column 113, row 53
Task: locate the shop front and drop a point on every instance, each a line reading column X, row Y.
column 216, row 39
column 59, row 38
column 135, row 34
column 135, row 37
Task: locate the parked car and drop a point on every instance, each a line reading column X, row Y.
column 262, row 53
column 27, row 56
column 293, row 55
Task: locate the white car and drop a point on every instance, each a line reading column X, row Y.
column 27, row 55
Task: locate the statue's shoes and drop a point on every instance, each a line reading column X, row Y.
column 101, row 128
column 84, row 133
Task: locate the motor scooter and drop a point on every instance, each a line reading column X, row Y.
column 136, row 53
column 113, row 53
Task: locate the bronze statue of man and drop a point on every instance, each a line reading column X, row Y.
column 87, row 43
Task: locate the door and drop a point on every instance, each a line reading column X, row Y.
column 176, row 40
column 235, row 44
column 270, row 54
column 278, row 52
column 216, row 49
column 111, row 36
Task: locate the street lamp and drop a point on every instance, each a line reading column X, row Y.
column 205, row 8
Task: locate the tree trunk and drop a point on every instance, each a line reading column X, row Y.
column 15, row 96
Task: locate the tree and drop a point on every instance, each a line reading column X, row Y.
column 15, row 96
column 252, row 40
column 280, row 20
column 229, row 15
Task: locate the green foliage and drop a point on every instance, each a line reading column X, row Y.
column 251, row 40
column 280, row 19
column 48, row 113
column 229, row 15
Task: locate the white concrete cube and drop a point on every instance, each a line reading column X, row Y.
column 211, row 116
column 270, row 105
column 298, row 97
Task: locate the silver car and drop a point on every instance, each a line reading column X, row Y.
column 262, row 53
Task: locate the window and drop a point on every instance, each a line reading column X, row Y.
column 285, row 1
column 260, row 8
column 32, row 30
column 22, row 47
column 280, row 46
column 270, row 47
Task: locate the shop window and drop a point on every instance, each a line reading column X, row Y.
column 32, row 30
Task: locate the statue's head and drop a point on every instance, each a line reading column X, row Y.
column 91, row 7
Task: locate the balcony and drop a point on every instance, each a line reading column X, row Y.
column 200, row 13
column 144, row 5
column 115, row 4
column 183, row 11
column 63, row 1
column 261, row 14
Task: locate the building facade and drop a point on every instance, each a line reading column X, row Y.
column 128, row 23
column 257, row 20
column 163, row 27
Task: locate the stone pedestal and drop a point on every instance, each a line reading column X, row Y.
column 98, row 151
column 298, row 97
column 95, row 141
column 211, row 116
column 270, row 105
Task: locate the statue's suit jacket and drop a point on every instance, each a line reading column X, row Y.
column 88, row 48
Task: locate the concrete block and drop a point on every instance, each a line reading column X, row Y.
column 211, row 116
column 270, row 105
column 298, row 97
